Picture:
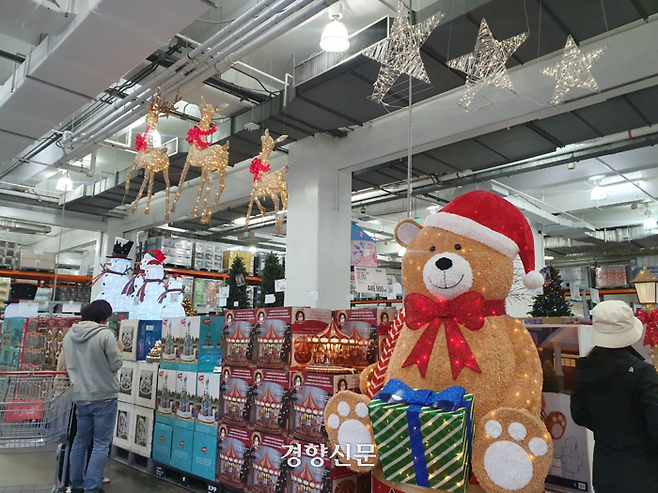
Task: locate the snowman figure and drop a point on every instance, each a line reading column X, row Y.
column 114, row 276
column 153, row 287
column 173, row 298
column 131, row 288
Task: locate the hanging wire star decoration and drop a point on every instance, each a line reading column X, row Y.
column 400, row 52
column 486, row 65
column 573, row 71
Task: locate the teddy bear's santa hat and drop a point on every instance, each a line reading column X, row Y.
column 492, row 220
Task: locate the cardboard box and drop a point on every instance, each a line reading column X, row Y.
column 210, row 343
column 180, row 338
column 170, row 334
column 146, row 377
column 141, row 441
column 204, row 455
column 233, row 445
column 266, row 464
column 185, row 400
column 165, row 400
column 207, row 402
column 122, row 437
column 311, row 392
column 128, row 336
column 239, row 346
column 272, row 401
column 30, row 259
column 148, row 333
column 237, row 389
column 162, row 436
column 127, row 380
column 366, row 325
column 182, row 443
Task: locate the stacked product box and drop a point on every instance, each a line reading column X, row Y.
column 76, row 294
column 34, row 260
column 139, row 337
column 34, row 345
column 5, row 287
column 177, row 250
column 8, row 254
column 208, row 256
column 12, row 339
column 247, row 259
column 372, row 324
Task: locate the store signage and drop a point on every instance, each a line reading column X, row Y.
column 270, row 298
column 370, row 280
column 280, row 285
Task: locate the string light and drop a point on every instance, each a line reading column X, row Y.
column 208, row 158
column 573, row 71
column 149, row 158
column 400, row 52
column 269, row 183
column 486, row 65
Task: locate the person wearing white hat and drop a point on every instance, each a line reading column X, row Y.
column 616, row 396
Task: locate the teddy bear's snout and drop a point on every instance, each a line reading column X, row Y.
column 444, row 263
column 448, row 275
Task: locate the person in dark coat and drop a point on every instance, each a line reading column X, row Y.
column 616, row 396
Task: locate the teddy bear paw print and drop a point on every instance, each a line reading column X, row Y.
column 347, row 422
column 556, row 423
column 512, row 451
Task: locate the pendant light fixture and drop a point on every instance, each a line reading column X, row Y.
column 598, row 192
column 649, row 222
column 334, row 38
column 64, row 183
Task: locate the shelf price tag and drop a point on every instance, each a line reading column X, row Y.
column 370, row 280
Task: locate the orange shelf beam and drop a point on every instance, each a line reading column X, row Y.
column 45, row 276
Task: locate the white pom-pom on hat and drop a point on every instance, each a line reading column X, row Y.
column 533, row 280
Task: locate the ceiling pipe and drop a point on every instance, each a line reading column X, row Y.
column 24, row 227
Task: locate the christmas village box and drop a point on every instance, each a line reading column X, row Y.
column 148, row 333
column 210, row 343
column 180, row 343
column 165, row 400
column 239, row 337
column 310, row 393
column 234, row 454
column 271, row 401
column 274, row 332
column 207, row 402
column 237, row 390
column 185, row 400
column 313, row 468
column 268, row 467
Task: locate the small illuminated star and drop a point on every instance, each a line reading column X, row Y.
column 400, row 52
column 486, row 65
column 573, row 71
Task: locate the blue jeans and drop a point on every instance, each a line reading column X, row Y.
column 95, row 422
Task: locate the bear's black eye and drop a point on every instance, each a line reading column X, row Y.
column 458, row 246
column 432, row 249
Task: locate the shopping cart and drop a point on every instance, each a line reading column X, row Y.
column 36, row 411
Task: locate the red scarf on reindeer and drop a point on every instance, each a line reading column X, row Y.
column 467, row 310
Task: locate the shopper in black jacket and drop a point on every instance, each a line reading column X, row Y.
column 616, row 397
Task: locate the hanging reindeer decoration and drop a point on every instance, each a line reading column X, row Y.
column 150, row 158
column 268, row 184
column 208, row 158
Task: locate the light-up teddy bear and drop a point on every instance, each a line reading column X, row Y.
column 457, row 271
column 153, row 287
column 173, row 298
column 115, row 275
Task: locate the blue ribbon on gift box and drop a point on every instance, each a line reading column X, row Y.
column 450, row 399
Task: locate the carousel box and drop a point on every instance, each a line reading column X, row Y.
column 237, row 390
column 182, row 444
column 207, row 403
column 148, row 333
column 310, row 393
column 185, row 400
column 371, row 325
column 162, row 435
column 266, row 470
column 271, row 401
column 165, row 400
column 204, row 455
column 310, row 465
column 141, row 431
column 239, row 345
column 210, row 343
column 127, row 380
column 128, row 336
column 274, row 332
column 146, row 378
column 234, row 447
column 122, row 436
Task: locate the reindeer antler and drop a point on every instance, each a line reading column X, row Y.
column 162, row 106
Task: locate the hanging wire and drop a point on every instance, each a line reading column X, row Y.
column 525, row 9
column 541, row 7
column 605, row 21
column 452, row 13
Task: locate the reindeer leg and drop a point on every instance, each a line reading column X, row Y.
column 183, row 175
column 205, row 214
column 141, row 189
column 150, row 192
column 222, row 184
column 165, row 172
column 251, row 203
column 132, row 168
column 195, row 212
column 260, row 207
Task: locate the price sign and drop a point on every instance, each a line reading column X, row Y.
column 370, row 280
column 159, row 471
column 212, row 488
column 280, row 285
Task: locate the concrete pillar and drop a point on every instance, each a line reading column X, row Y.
column 318, row 230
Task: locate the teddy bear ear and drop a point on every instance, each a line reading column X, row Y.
column 406, row 230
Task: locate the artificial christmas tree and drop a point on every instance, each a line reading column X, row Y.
column 552, row 302
column 272, row 271
column 236, row 292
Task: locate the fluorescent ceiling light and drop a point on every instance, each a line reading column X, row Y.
column 334, row 36
column 64, row 183
column 548, row 257
column 598, row 193
column 402, row 251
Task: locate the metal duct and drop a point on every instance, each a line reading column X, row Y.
column 619, row 235
column 24, row 227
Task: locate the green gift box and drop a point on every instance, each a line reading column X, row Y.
column 423, row 439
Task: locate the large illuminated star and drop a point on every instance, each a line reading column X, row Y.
column 573, row 71
column 486, row 65
column 400, row 52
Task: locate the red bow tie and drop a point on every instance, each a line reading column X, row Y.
column 651, row 321
column 468, row 310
